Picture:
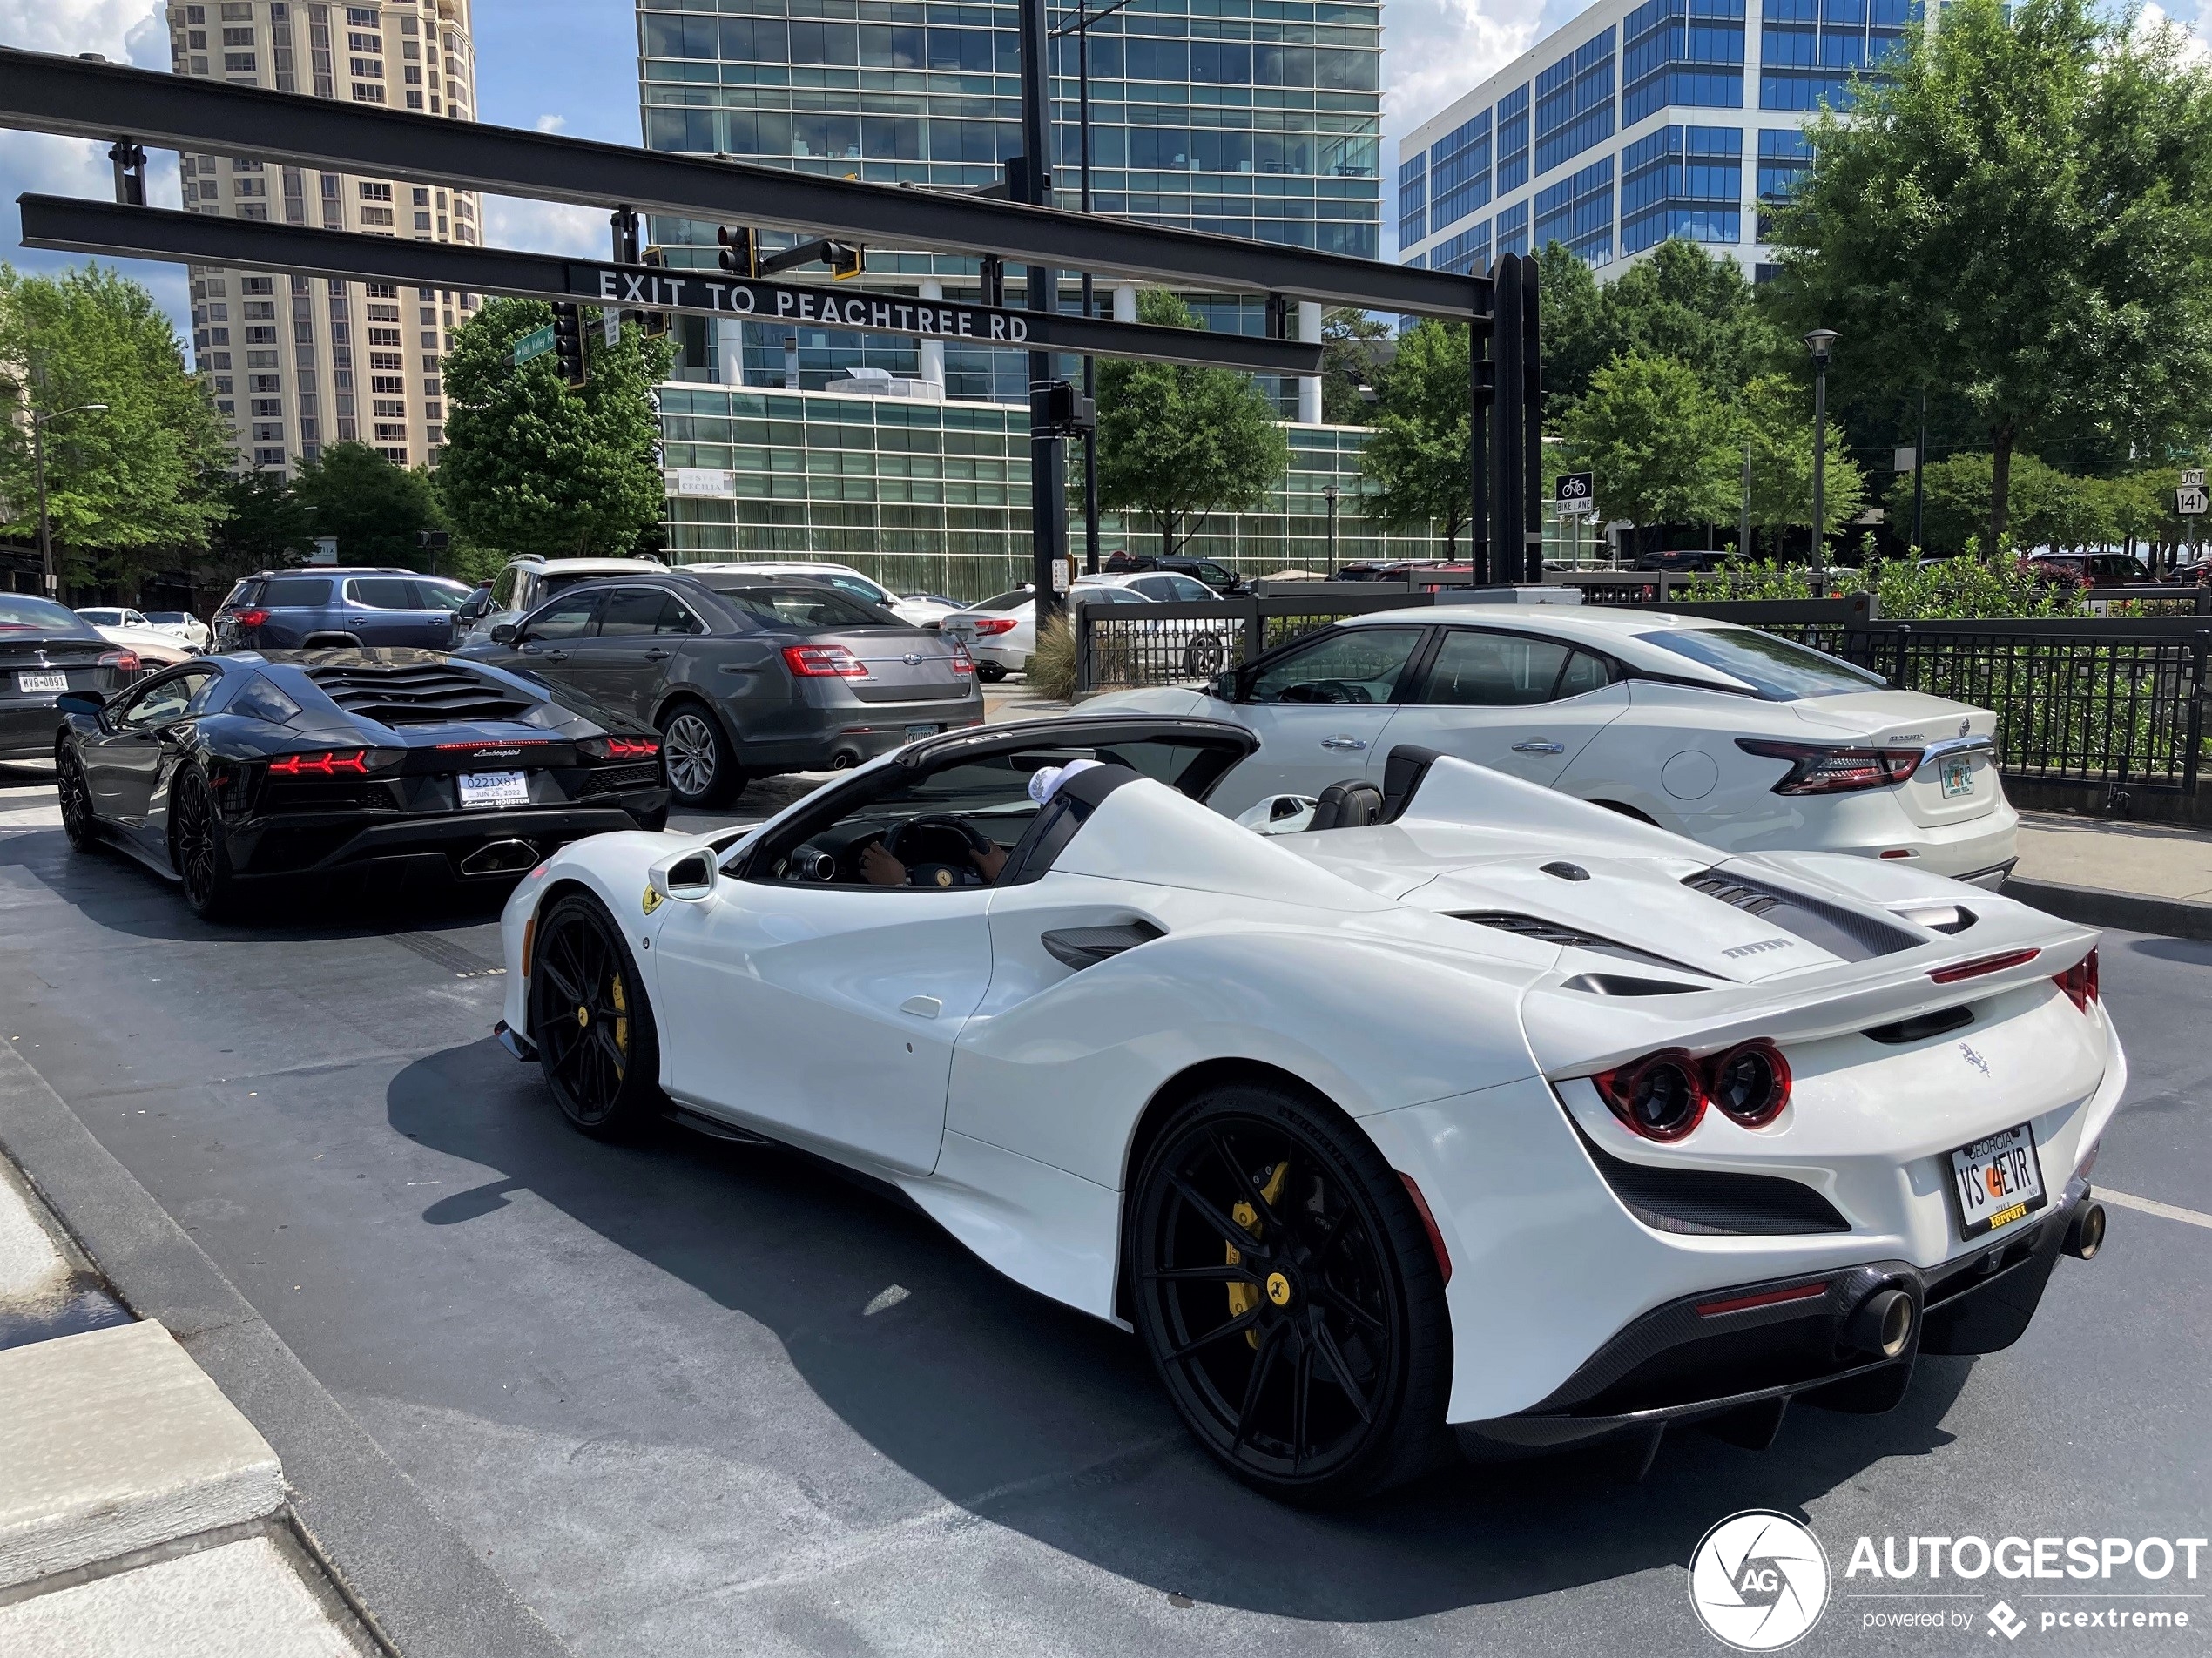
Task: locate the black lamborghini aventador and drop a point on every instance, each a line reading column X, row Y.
column 229, row 773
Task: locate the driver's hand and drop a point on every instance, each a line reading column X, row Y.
column 991, row 860
column 879, row 868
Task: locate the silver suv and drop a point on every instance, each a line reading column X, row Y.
column 527, row 582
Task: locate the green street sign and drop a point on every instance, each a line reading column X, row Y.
column 536, row 343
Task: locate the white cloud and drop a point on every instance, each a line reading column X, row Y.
column 2193, row 47
column 551, row 123
column 1435, row 50
column 546, row 227
column 112, row 27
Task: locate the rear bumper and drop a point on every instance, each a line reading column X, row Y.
column 310, row 845
column 852, row 733
column 1743, row 1352
column 28, row 728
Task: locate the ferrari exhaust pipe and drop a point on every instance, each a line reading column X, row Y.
column 2085, row 1233
column 1882, row 1323
column 500, row 858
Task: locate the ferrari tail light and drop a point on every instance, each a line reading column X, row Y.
column 1749, row 1084
column 824, row 661
column 2080, row 982
column 249, row 618
column 1819, row 768
column 1660, row 1096
column 1981, row 965
column 989, row 626
column 328, row 763
column 121, row 661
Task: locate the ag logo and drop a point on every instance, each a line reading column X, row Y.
column 1759, row 1580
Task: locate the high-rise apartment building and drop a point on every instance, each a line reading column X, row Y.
column 1638, row 121
column 299, row 363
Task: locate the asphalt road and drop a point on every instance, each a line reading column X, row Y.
column 689, row 1399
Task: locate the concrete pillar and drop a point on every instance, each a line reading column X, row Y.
column 1124, row 301
column 933, row 350
column 1309, row 386
column 729, row 350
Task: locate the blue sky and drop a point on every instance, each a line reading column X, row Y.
column 571, row 66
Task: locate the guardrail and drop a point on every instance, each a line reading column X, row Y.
column 1121, row 647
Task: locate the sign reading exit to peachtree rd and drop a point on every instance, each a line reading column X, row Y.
column 632, row 289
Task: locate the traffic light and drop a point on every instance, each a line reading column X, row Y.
column 653, row 323
column 741, row 250
column 845, row 259
column 567, row 343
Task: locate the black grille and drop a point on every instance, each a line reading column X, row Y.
column 326, row 797
column 1548, row 932
column 432, row 694
column 1709, row 1202
column 619, row 779
column 1846, row 933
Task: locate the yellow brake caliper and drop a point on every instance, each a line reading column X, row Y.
column 621, row 1026
column 1243, row 1298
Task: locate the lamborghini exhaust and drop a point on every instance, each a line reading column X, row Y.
column 500, row 858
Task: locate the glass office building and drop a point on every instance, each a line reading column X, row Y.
column 1639, row 121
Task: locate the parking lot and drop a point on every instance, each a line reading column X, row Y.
column 693, row 1398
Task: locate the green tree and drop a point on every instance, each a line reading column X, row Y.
column 2021, row 210
column 1576, row 339
column 129, row 486
column 1661, row 445
column 265, row 526
column 533, row 466
column 1416, row 463
column 1178, row 444
column 2043, row 507
column 1682, row 302
column 373, row 508
column 1775, row 419
column 1350, row 347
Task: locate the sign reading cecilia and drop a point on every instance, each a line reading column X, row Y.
column 648, row 290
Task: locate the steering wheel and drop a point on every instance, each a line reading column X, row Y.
column 1327, row 690
column 936, row 850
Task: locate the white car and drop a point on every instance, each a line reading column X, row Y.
column 182, row 625
column 1001, row 632
column 917, row 612
column 527, row 583
column 154, row 647
column 1474, row 1114
column 1731, row 737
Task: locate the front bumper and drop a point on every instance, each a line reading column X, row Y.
column 1738, row 1355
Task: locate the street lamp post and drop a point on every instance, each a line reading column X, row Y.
column 1817, row 343
column 1329, row 494
column 38, row 465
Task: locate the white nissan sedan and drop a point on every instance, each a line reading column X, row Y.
column 1738, row 738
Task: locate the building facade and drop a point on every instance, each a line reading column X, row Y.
column 1639, row 121
column 297, row 363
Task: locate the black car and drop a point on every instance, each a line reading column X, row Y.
column 230, row 772
column 1219, row 577
column 746, row 675
column 46, row 649
column 1684, row 561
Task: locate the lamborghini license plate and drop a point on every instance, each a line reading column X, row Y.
column 494, row 789
column 1958, row 777
column 41, row 682
column 1998, row 1180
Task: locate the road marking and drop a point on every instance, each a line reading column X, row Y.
column 2151, row 1206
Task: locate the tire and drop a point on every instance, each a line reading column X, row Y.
column 703, row 771
column 596, row 1042
column 1204, row 657
column 198, row 850
column 1316, row 1371
column 77, row 822
column 989, row 672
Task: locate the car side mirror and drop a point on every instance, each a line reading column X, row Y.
column 506, row 633
column 1224, row 686
column 91, row 703
column 475, row 608
column 686, row 876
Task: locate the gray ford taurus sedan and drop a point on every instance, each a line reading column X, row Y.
column 746, row 675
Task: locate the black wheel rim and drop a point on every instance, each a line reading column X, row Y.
column 192, row 814
column 1266, row 1298
column 77, row 799
column 582, row 1015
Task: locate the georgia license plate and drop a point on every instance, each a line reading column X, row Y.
column 1958, row 777
column 1998, row 1180
column 494, row 789
column 41, row 682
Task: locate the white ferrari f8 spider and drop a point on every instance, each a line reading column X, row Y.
column 1469, row 1116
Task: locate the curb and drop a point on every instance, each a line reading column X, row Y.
column 2177, row 918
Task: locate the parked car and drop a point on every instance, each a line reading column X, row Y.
column 527, row 582
column 231, row 771
column 1218, row 577
column 746, row 675
column 110, row 615
column 47, row 649
column 1731, row 737
column 1481, row 1123
column 1686, row 561
column 189, row 631
column 917, row 610
column 2088, row 570
column 1001, row 631
column 154, row 647
column 328, row 607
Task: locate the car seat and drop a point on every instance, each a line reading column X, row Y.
column 1349, row 805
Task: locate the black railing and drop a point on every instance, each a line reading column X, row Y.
column 1121, row 647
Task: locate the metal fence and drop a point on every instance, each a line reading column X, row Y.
column 1122, row 646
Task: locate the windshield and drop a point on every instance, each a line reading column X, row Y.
column 19, row 613
column 168, row 618
column 1779, row 670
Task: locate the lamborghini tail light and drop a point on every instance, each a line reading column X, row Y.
column 824, row 661
column 328, row 763
column 1749, row 1084
column 1819, row 768
column 1661, row 1096
column 619, row 748
column 2080, row 982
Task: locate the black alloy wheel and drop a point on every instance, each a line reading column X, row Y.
column 702, row 771
column 592, row 1025
column 76, row 800
column 1204, row 657
column 1288, row 1293
column 196, row 849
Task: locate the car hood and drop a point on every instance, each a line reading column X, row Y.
column 1155, row 699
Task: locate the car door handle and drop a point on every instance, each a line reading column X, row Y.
column 1539, row 745
column 1342, row 742
column 921, row 1007
column 657, row 655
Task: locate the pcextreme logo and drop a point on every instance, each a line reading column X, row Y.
column 1759, row 1580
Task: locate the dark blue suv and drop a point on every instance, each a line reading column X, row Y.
column 293, row 609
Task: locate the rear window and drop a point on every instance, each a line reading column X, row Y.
column 295, row 592
column 819, row 610
column 20, row 613
column 1779, row 670
column 1012, row 601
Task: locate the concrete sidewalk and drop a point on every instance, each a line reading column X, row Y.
column 2103, row 872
